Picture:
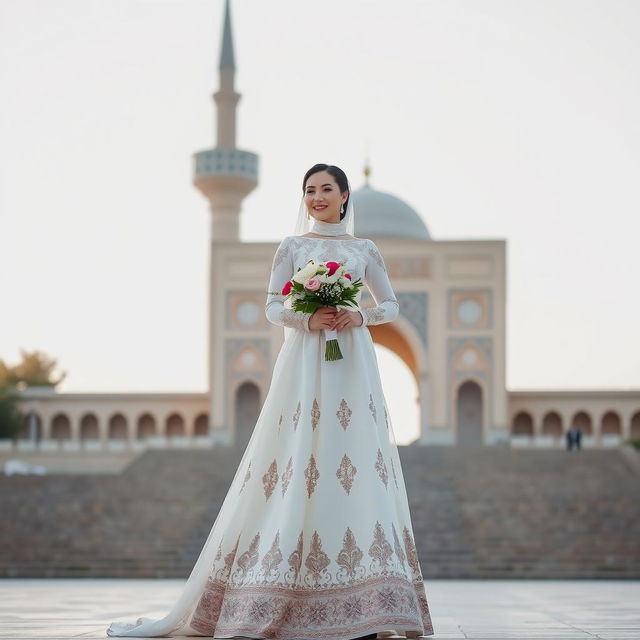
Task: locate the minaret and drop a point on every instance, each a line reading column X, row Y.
column 225, row 175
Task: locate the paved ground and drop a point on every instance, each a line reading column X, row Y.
column 478, row 609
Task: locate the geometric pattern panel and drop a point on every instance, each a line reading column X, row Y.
column 233, row 347
column 470, row 358
column 245, row 310
column 414, row 306
column 470, row 308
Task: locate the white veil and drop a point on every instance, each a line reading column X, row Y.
column 305, row 222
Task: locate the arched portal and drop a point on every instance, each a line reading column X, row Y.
column 117, row 427
column 611, row 424
column 201, row 425
column 175, row 426
column 552, row 424
column 146, row 426
column 31, row 427
column 402, row 340
column 89, row 427
column 522, row 424
column 247, row 412
column 469, row 414
column 582, row 421
column 61, row 427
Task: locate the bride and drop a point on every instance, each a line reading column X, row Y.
column 314, row 539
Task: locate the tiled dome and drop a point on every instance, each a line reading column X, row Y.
column 382, row 214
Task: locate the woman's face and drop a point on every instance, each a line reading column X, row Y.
column 322, row 197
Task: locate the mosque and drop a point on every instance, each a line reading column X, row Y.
column 450, row 333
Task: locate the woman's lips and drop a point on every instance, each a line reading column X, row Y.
column 320, row 208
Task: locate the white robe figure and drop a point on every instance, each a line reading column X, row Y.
column 314, row 538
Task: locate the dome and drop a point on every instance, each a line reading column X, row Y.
column 383, row 214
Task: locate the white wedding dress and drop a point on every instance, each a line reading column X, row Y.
column 314, row 538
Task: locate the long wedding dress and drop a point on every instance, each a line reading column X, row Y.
column 314, row 538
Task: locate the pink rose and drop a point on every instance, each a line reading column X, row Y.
column 332, row 266
column 347, row 275
column 287, row 288
column 313, row 284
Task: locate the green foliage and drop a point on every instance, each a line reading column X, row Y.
column 11, row 418
column 634, row 442
column 34, row 370
column 323, row 297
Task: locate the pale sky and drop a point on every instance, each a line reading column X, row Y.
column 493, row 119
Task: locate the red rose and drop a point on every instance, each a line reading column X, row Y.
column 347, row 275
column 287, row 288
column 332, row 266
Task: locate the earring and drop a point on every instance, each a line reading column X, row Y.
column 342, row 208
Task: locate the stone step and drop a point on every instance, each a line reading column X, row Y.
column 475, row 513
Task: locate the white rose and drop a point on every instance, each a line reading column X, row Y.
column 305, row 273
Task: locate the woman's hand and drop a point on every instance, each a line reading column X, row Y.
column 322, row 318
column 345, row 319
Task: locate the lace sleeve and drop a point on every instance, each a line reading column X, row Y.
column 281, row 273
column 377, row 280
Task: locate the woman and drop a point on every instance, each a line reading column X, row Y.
column 314, row 538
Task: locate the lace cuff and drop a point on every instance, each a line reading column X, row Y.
column 278, row 314
column 386, row 311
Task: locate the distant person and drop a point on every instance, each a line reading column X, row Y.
column 573, row 438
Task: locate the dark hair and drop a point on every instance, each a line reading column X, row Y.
column 339, row 176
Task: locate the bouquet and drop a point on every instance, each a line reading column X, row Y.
column 323, row 284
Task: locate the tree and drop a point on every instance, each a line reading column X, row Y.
column 11, row 418
column 35, row 370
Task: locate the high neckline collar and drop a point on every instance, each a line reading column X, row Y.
column 329, row 228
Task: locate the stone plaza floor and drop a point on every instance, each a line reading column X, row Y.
column 60, row 609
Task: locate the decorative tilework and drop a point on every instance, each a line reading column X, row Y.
column 481, row 296
column 413, row 307
column 485, row 345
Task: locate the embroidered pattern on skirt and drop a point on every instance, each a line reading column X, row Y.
column 344, row 414
column 286, row 476
column 315, row 414
column 312, row 474
column 372, row 408
column 246, row 477
column 270, row 479
column 381, row 468
column 380, row 549
column 289, row 614
column 349, row 558
column 260, row 603
column 346, row 472
column 296, row 417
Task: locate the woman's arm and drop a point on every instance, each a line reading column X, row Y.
column 281, row 273
column 377, row 279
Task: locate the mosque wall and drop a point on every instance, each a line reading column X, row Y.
column 451, row 334
column 454, row 294
column 243, row 343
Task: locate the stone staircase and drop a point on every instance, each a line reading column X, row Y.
column 477, row 513
column 498, row 512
